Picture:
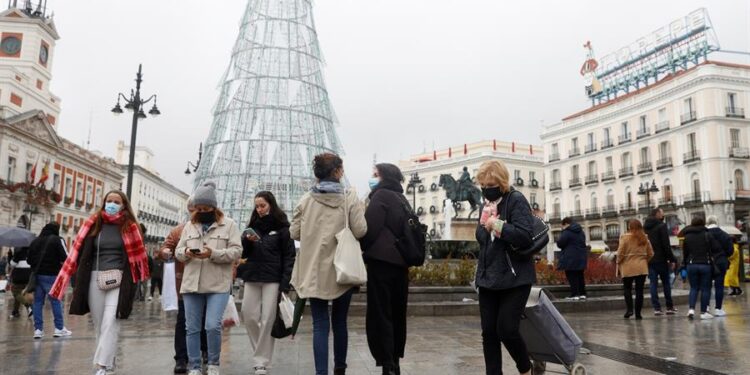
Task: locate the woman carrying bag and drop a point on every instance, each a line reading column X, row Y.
column 108, row 259
column 320, row 215
column 268, row 258
column 633, row 255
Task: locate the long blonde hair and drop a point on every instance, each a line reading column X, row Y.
column 635, row 228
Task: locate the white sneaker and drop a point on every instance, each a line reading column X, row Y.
column 260, row 370
column 100, row 371
column 150, row 298
column 582, row 298
column 719, row 313
column 62, row 332
column 213, row 370
column 706, row 316
column 38, row 334
column 195, row 372
column 691, row 314
column 572, row 298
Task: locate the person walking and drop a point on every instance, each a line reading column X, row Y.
column 209, row 246
column 633, row 255
column 662, row 264
column 19, row 278
column 268, row 255
column 698, row 248
column 157, row 270
column 47, row 253
column 107, row 259
column 732, row 279
column 319, row 216
column 387, row 272
column 503, row 278
column 722, row 262
column 180, row 341
column 573, row 257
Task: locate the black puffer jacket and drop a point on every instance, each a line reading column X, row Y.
column 270, row 259
column 572, row 244
column 658, row 235
column 385, row 217
column 498, row 267
column 697, row 244
column 725, row 244
column 21, row 268
column 54, row 255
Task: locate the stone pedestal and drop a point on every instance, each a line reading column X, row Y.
column 463, row 229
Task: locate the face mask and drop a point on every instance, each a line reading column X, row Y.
column 206, row 217
column 492, row 194
column 374, row 183
column 112, row 208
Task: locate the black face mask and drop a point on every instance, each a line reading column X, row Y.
column 206, row 217
column 492, row 194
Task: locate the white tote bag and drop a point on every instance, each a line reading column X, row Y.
column 286, row 309
column 350, row 267
column 169, row 288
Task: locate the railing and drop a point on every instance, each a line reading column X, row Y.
column 592, row 179
column 691, row 156
column 608, row 175
column 554, row 156
column 607, row 143
column 575, row 151
column 626, row 171
column 592, row 213
column 742, row 194
column 662, row 126
column 667, row 201
column 609, row 210
column 575, row 214
column 645, row 167
column 627, row 208
column 574, row 182
column 693, row 198
column 625, row 138
column 739, row 152
column 590, row 148
column 664, row 163
column 687, row 117
column 555, row 185
column 643, row 132
column 736, row 112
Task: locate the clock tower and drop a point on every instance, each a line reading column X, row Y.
column 27, row 43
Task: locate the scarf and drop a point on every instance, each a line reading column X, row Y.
column 134, row 248
column 328, row 187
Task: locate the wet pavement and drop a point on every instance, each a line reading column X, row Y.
column 436, row 345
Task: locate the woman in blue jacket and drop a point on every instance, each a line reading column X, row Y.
column 572, row 244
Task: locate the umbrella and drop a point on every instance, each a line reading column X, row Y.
column 15, row 237
column 732, row 231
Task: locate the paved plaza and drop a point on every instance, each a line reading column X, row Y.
column 442, row 345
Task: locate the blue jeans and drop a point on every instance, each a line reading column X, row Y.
column 214, row 305
column 661, row 271
column 322, row 323
column 43, row 286
column 699, row 276
column 718, row 281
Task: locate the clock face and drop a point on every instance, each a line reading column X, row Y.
column 43, row 54
column 11, row 45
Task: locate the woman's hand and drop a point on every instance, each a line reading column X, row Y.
column 205, row 254
column 490, row 223
column 253, row 238
column 166, row 252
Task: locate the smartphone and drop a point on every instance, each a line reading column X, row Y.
column 195, row 251
column 249, row 232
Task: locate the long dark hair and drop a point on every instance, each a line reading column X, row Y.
column 128, row 217
column 276, row 212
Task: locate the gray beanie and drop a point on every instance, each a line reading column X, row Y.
column 205, row 195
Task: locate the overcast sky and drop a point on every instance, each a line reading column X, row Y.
column 403, row 75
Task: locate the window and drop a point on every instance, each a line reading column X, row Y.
column 79, row 190
column 691, row 142
column 734, row 137
column 592, row 168
column 574, row 171
column 516, row 175
column 55, row 182
column 644, row 155
column 731, row 101
column 628, row 197
column 594, row 203
column 532, row 198
column 555, row 149
column 574, row 143
column 739, row 180
column 608, row 163
column 532, row 176
column 606, row 134
column 577, row 204
column 610, row 198
column 643, row 123
column 667, row 191
column 11, row 169
column 89, row 189
column 68, row 187
column 662, row 115
column 613, row 231
column 555, row 176
column 687, row 106
column 626, row 160
column 664, row 150
column 29, row 166
column 624, row 130
column 595, row 233
column 591, row 139
column 696, row 185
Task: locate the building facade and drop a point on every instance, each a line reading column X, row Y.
column 681, row 143
column 524, row 162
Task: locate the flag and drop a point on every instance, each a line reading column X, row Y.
column 32, row 173
column 45, row 174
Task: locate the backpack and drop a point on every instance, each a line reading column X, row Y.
column 412, row 244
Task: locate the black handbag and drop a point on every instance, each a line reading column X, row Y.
column 279, row 330
column 715, row 271
column 539, row 233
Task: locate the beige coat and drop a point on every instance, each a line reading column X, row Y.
column 317, row 219
column 631, row 258
column 212, row 275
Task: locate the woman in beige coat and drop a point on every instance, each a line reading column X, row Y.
column 633, row 255
column 319, row 216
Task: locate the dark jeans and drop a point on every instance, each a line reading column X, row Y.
column 661, row 271
column 627, row 283
column 699, row 276
column 322, row 323
column 500, row 312
column 387, row 297
column 719, row 285
column 577, row 283
column 155, row 283
column 180, row 335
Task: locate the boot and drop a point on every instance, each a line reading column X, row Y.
column 339, row 371
column 389, row 370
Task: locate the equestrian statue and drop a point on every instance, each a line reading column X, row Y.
column 462, row 190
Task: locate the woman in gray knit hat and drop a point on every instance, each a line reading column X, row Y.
column 209, row 245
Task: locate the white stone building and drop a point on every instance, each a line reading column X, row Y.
column 687, row 134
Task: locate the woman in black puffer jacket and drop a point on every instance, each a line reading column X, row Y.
column 504, row 278
column 268, row 259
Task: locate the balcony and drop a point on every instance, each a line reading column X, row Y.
column 590, row 148
column 609, row 211
column 626, row 172
column 662, row 126
column 667, row 202
column 643, row 132
column 627, row 209
column 740, row 194
column 555, row 185
column 608, row 176
column 687, row 117
column 625, row 138
column 696, row 198
column 592, row 179
column 593, row 213
column 67, row 201
column 555, row 156
column 576, row 214
column 79, row 203
column 664, row 163
column 739, row 152
column 574, row 182
column 691, row 156
column 575, row 151
column 736, row 112
column 607, row 143
column 647, row 167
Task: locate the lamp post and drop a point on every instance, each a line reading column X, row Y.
column 414, row 180
column 197, row 163
column 646, row 190
column 135, row 104
column 30, row 209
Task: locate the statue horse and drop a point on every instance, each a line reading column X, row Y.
column 468, row 193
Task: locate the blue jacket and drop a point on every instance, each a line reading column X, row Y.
column 572, row 242
column 727, row 248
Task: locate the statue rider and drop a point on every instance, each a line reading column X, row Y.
column 464, row 183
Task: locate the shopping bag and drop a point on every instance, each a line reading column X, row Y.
column 279, row 329
column 286, row 310
column 3, row 285
column 231, row 316
column 348, row 262
column 169, row 288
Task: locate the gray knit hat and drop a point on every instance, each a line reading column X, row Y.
column 205, row 195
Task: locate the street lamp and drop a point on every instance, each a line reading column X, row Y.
column 646, row 190
column 413, row 182
column 30, row 209
column 135, row 104
column 197, row 163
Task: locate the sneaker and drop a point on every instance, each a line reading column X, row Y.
column 706, row 316
column 195, row 372
column 582, row 298
column 572, row 298
column 671, row 311
column 658, row 312
column 150, row 298
column 38, row 334
column 62, row 332
column 100, row 371
column 31, row 312
column 739, row 292
column 213, row 370
column 691, row 314
column 180, row 367
column 14, row 314
column 260, row 370
column 719, row 313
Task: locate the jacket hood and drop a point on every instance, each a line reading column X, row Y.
column 575, row 228
column 50, row 229
column 329, row 199
column 651, row 223
column 693, row 229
